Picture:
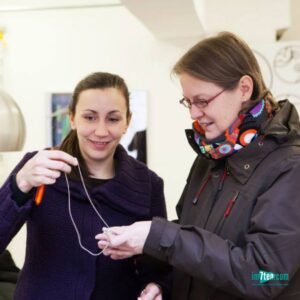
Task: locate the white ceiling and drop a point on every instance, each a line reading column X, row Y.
column 169, row 19
column 6, row 5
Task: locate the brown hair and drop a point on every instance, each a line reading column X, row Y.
column 99, row 80
column 223, row 59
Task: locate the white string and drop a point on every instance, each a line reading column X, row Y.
column 71, row 216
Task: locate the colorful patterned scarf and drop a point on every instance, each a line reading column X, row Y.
column 239, row 135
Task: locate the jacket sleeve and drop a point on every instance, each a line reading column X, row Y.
column 185, row 190
column 151, row 269
column 12, row 216
column 271, row 244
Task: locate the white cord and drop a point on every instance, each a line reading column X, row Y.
column 71, row 216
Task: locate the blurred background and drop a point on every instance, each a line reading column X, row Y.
column 47, row 46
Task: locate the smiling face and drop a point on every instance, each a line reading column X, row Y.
column 100, row 121
column 220, row 113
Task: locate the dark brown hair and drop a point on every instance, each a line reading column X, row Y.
column 223, row 59
column 99, row 80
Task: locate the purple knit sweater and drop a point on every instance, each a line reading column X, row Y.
column 55, row 266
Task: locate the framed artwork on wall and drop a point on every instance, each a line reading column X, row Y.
column 59, row 120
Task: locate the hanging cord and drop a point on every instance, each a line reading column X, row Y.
column 92, row 204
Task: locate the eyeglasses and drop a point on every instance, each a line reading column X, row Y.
column 199, row 103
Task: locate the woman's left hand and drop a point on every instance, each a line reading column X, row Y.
column 151, row 292
column 124, row 241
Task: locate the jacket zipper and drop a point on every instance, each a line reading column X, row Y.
column 203, row 186
column 220, row 187
column 201, row 189
column 226, row 213
column 230, row 204
column 221, row 183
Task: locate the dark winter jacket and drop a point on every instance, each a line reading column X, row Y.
column 8, row 276
column 55, row 266
column 239, row 239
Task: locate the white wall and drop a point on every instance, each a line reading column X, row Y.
column 51, row 51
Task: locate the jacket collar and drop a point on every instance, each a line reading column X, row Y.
column 242, row 164
column 284, row 125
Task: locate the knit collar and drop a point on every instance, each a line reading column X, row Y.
column 238, row 136
column 128, row 192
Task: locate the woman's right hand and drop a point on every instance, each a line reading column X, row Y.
column 44, row 168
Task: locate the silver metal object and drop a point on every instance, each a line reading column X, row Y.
column 12, row 125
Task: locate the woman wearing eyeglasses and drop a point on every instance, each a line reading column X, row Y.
column 238, row 229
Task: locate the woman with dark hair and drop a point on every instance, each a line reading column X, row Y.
column 238, row 229
column 105, row 187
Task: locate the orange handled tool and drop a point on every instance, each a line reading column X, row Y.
column 39, row 194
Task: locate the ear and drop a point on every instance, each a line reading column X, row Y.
column 72, row 122
column 246, row 87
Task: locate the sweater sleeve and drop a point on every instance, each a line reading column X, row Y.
column 272, row 244
column 12, row 216
column 17, row 195
column 158, row 204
